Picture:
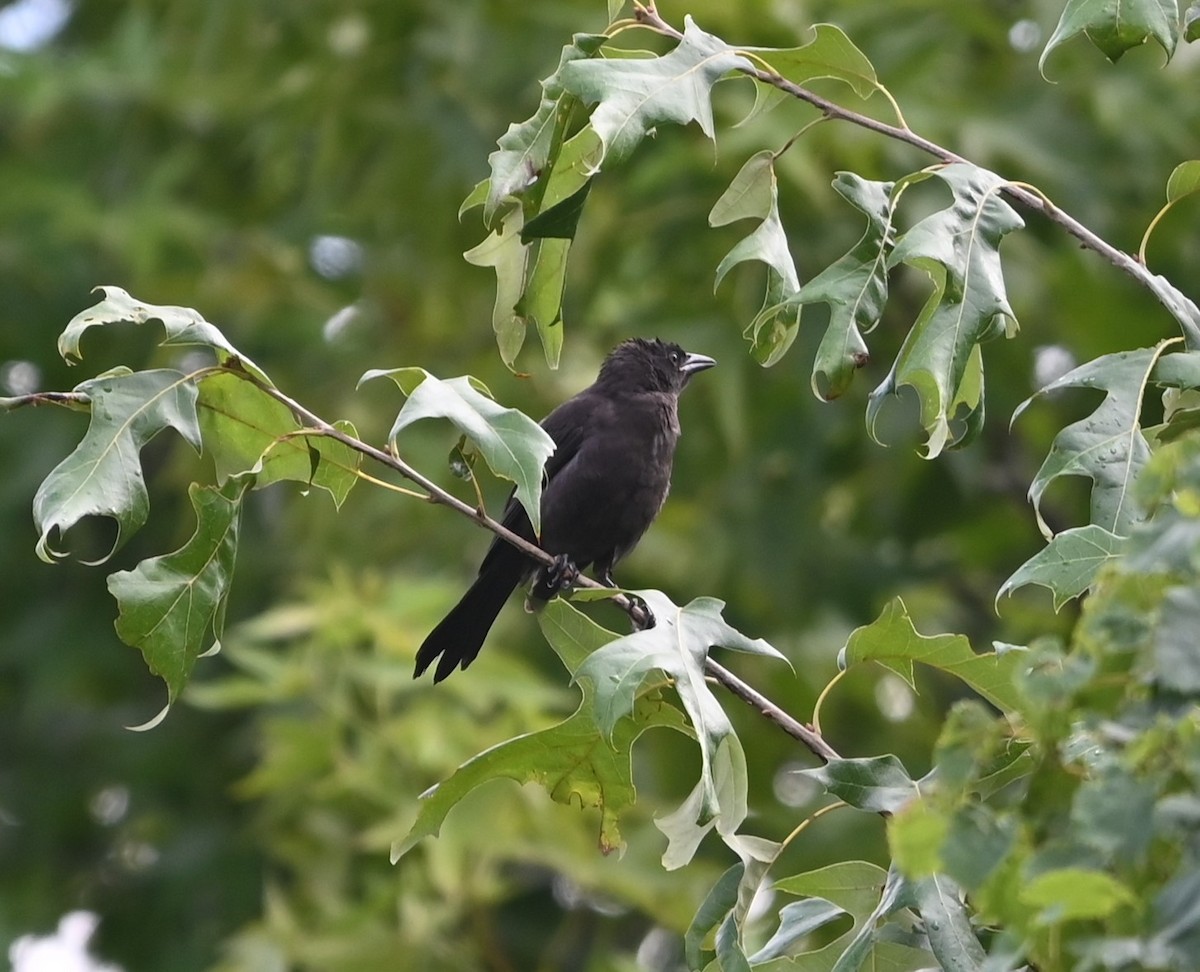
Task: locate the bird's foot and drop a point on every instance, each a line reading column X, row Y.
column 556, row 578
column 640, row 614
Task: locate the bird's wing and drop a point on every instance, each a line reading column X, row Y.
column 567, row 425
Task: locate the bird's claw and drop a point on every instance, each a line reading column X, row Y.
column 556, row 578
column 636, row 605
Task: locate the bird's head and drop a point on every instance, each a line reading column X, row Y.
column 645, row 365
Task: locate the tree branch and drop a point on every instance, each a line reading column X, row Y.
column 435, row 494
column 1178, row 304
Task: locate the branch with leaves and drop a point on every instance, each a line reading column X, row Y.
column 1057, row 806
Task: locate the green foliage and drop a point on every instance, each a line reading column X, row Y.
column 1054, row 823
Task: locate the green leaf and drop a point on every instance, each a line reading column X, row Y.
column 1072, row 893
column 183, row 326
column 632, row 95
column 574, row 761
column 1176, row 661
column 916, row 834
column 542, row 300
column 513, row 445
column 716, row 905
column 245, row 430
column 826, row 53
column 1115, row 26
column 678, row 645
column 1068, row 564
column 561, row 220
column 754, row 194
column 797, row 920
column 893, row 641
column 504, row 252
column 855, row 287
column 1184, row 180
column 169, row 604
column 958, row 248
column 103, row 475
column 868, row 894
column 1108, row 446
column 953, row 941
column 526, row 149
column 878, row 784
column 1191, row 22
column 1110, row 812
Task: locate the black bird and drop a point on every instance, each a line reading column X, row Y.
column 605, row 483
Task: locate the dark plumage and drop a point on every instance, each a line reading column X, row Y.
column 605, row 483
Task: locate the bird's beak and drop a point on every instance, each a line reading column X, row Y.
column 696, row 362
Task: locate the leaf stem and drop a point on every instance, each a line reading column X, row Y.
column 816, row 719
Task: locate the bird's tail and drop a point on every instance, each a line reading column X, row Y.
column 460, row 635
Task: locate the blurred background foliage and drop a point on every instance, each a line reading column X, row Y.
column 293, row 171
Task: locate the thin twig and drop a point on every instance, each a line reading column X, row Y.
column 34, row 399
column 1178, row 304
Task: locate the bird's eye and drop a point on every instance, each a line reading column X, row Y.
column 677, row 357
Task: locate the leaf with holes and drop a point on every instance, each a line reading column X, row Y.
column 754, row 194
column 103, row 475
column 513, row 445
column 958, row 247
column 1108, row 447
column 574, row 761
column 633, row 94
column 169, row 605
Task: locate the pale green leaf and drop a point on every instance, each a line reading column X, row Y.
column 751, row 195
column 527, row 149
column 893, row 641
column 826, row 53
column 1074, row 893
column 183, row 326
column 865, row 892
column 1176, row 661
column 169, row 605
column 958, row 248
column 504, row 252
column 754, row 194
column 574, row 761
column 1115, row 26
column 878, row 784
column 678, row 645
column 797, row 920
column 939, row 901
column 1108, row 446
column 632, row 95
column 103, row 475
column 1191, row 22
column 716, row 905
column 1068, row 564
column 542, row 300
column 855, row 287
column 1184, row 180
column 513, row 445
